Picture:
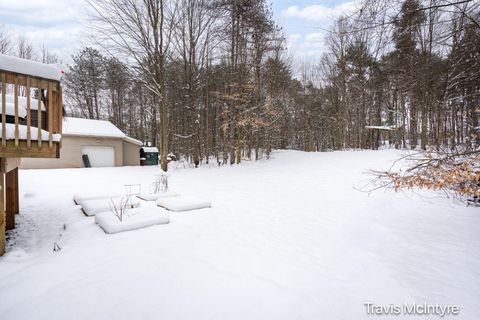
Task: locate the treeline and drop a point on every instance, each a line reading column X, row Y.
column 22, row 47
column 211, row 80
column 409, row 69
column 201, row 79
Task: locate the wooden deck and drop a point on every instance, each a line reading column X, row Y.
column 33, row 130
column 24, row 146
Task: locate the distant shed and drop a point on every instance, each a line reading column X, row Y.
column 103, row 143
column 148, row 156
column 380, row 135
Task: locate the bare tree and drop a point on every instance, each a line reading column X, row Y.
column 192, row 38
column 137, row 30
column 5, row 42
column 48, row 56
column 25, row 49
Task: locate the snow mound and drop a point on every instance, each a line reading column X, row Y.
column 78, row 198
column 135, row 219
column 179, row 204
column 92, row 207
column 156, row 196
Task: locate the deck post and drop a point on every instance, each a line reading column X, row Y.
column 16, row 198
column 2, row 213
column 10, row 199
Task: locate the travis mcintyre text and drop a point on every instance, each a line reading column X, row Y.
column 412, row 309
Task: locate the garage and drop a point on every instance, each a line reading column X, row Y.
column 102, row 142
column 98, row 156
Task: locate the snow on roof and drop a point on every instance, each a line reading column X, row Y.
column 22, row 102
column 380, row 128
column 22, row 106
column 150, row 149
column 132, row 140
column 28, row 67
column 88, row 127
column 22, row 133
column 94, row 128
column 10, row 110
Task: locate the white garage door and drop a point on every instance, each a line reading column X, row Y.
column 100, row 156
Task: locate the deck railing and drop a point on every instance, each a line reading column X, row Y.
column 31, row 116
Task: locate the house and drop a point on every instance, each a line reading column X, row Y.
column 103, row 143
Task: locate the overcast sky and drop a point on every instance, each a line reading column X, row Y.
column 60, row 26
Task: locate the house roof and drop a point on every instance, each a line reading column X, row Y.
column 28, row 67
column 94, row 128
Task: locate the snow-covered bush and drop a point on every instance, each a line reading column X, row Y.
column 120, row 209
column 160, row 183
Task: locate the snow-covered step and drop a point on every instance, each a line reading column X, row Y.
column 179, row 204
column 134, row 219
column 156, row 196
column 80, row 197
column 92, row 207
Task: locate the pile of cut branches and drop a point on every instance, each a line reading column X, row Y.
column 455, row 172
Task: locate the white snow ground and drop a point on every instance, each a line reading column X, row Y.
column 289, row 238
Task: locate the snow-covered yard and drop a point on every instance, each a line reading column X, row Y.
column 289, row 238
